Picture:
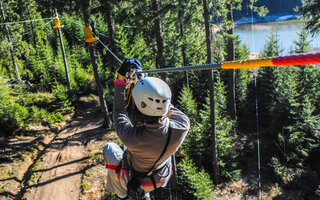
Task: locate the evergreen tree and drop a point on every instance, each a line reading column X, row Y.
column 188, row 49
column 302, row 45
column 302, row 134
column 310, row 10
column 277, row 101
column 268, row 82
column 198, row 142
column 193, row 144
column 193, row 181
column 11, row 37
column 307, row 74
column 243, row 78
column 299, row 130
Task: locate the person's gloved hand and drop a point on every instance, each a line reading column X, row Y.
column 128, row 64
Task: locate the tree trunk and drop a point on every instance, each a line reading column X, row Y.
column 160, row 61
column 107, row 120
column 231, row 77
column 107, row 16
column 11, row 48
column 214, row 147
column 31, row 23
column 183, row 48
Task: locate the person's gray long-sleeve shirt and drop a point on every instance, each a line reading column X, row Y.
column 146, row 145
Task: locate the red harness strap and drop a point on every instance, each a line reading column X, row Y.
column 115, row 168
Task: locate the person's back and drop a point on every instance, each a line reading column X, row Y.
column 147, row 144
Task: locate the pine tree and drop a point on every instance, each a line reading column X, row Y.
column 11, row 33
column 193, row 181
column 198, row 141
column 194, row 139
column 304, row 132
column 307, row 74
column 277, row 93
column 310, row 11
column 268, row 82
column 299, row 130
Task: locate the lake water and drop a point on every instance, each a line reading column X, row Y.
column 286, row 31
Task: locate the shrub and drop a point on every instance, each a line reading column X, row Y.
column 278, row 169
column 38, row 99
column 187, row 104
column 37, row 114
column 197, row 183
column 226, row 150
column 193, row 144
column 12, row 114
column 83, row 81
column 40, row 115
column 64, row 98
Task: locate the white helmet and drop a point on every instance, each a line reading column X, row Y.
column 152, row 96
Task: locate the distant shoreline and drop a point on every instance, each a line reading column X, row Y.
column 268, row 18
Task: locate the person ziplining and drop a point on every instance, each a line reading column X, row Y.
column 152, row 133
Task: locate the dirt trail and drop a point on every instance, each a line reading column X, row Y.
column 61, row 171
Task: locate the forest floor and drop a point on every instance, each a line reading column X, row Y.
column 65, row 162
column 247, row 187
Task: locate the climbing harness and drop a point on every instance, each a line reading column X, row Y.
column 116, row 168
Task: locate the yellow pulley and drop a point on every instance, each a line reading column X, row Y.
column 89, row 36
column 57, row 22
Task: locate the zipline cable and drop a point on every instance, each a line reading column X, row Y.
column 257, row 114
column 26, row 33
column 108, row 50
column 37, row 28
column 297, row 59
column 258, row 135
column 72, row 37
column 105, row 46
column 73, row 21
column 20, row 22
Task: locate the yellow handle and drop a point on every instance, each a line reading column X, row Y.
column 89, row 36
column 246, row 64
column 57, row 22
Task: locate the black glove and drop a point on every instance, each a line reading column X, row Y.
column 128, row 64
